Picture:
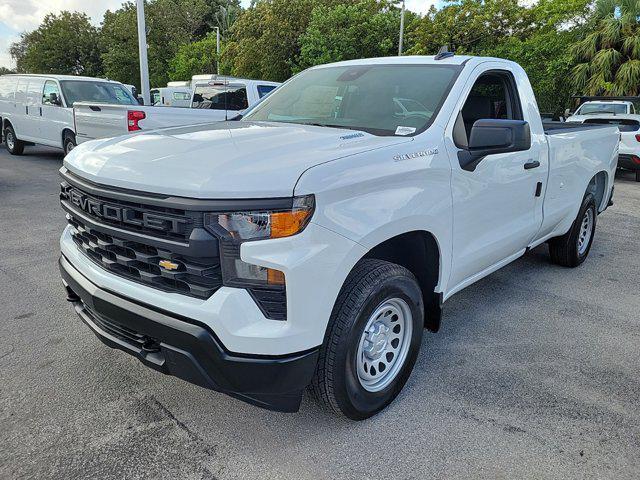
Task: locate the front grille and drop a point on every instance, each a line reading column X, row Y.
column 140, row 262
column 161, row 222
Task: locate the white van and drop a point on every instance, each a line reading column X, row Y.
column 38, row 109
column 171, row 97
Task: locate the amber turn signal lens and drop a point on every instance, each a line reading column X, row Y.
column 275, row 277
column 285, row 224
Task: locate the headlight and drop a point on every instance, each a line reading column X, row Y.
column 235, row 228
column 244, row 226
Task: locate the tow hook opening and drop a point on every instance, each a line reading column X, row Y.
column 71, row 295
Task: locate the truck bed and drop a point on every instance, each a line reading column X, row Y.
column 553, row 127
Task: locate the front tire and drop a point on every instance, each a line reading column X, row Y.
column 571, row 249
column 69, row 143
column 372, row 340
column 14, row 146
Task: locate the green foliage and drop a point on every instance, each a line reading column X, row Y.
column 66, row 43
column 368, row 28
column 194, row 58
column 607, row 54
column 170, row 24
column 265, row 40
column 6, row 71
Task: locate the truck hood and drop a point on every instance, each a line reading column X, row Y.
column 221, row 160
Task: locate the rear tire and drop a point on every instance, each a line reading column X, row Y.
column 372, row 340
column 14, row 146
column 69, row 143
column 571, row 249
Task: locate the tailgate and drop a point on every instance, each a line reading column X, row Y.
column 97, row 120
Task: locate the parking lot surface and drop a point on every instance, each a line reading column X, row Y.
column 534, row 374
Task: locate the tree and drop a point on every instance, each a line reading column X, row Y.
column 194, row 58
column 170, row 24
column 64, row 43
column 608, row 55
column 6, row 71
column 369, row 28
column 470, row 26
column 265, row 40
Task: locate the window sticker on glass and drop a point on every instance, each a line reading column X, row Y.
column 405, row 130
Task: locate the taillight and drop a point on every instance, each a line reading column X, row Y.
column 133, row 117
column 638, row 137
column 635, row 159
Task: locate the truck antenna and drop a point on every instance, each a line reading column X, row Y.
column 443, row 53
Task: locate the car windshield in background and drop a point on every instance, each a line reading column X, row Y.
column 97, row 92
column 596, row 108
column 378, row 99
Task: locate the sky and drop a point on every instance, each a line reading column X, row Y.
column 17, row 16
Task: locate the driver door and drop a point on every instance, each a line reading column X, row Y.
column 497, row 208
column 55, row 117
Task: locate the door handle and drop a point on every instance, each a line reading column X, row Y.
column 531, row 164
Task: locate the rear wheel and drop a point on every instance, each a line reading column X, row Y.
column 372, row 340
column 571, row 249
column 69, row 142
column 14, row 146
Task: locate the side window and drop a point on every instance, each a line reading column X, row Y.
column 50, row 87
column 181, row 96
column 265, row 89
column 493, row 96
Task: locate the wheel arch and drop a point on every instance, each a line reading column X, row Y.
column 418, row 251
column 598, row 187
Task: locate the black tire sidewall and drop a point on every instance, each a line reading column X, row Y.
column 68, row 138
column 587, row 203
column 354, row 401
column 9, row 131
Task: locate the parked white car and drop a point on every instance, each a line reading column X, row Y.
column 310, row 242
column 214, row 99
column 592, row 108
column 619, row 113
column 37, row 109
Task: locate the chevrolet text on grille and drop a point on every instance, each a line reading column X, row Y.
column 126, row 215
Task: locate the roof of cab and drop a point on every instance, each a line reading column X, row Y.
column 62, row 77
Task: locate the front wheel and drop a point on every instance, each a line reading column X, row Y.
column 14, row 146
column 571, row 249
column 69, row 143
column 372, row 340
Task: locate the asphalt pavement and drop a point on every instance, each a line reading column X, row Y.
column 534, row 374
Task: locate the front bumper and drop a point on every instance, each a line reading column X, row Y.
column 188, row 349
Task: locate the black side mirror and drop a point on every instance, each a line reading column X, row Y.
column 54, row 100
column 494, row 136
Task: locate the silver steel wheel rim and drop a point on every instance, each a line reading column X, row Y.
column 586, row 230
column 10, row 141
column 384, row 344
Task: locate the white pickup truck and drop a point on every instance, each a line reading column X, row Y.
column 311, row 242
column 212, row 100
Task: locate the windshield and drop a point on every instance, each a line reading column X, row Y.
column 591, row 108
column 98, row 92
column 379, row 99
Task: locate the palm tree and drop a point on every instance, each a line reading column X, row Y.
column 608, row 57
